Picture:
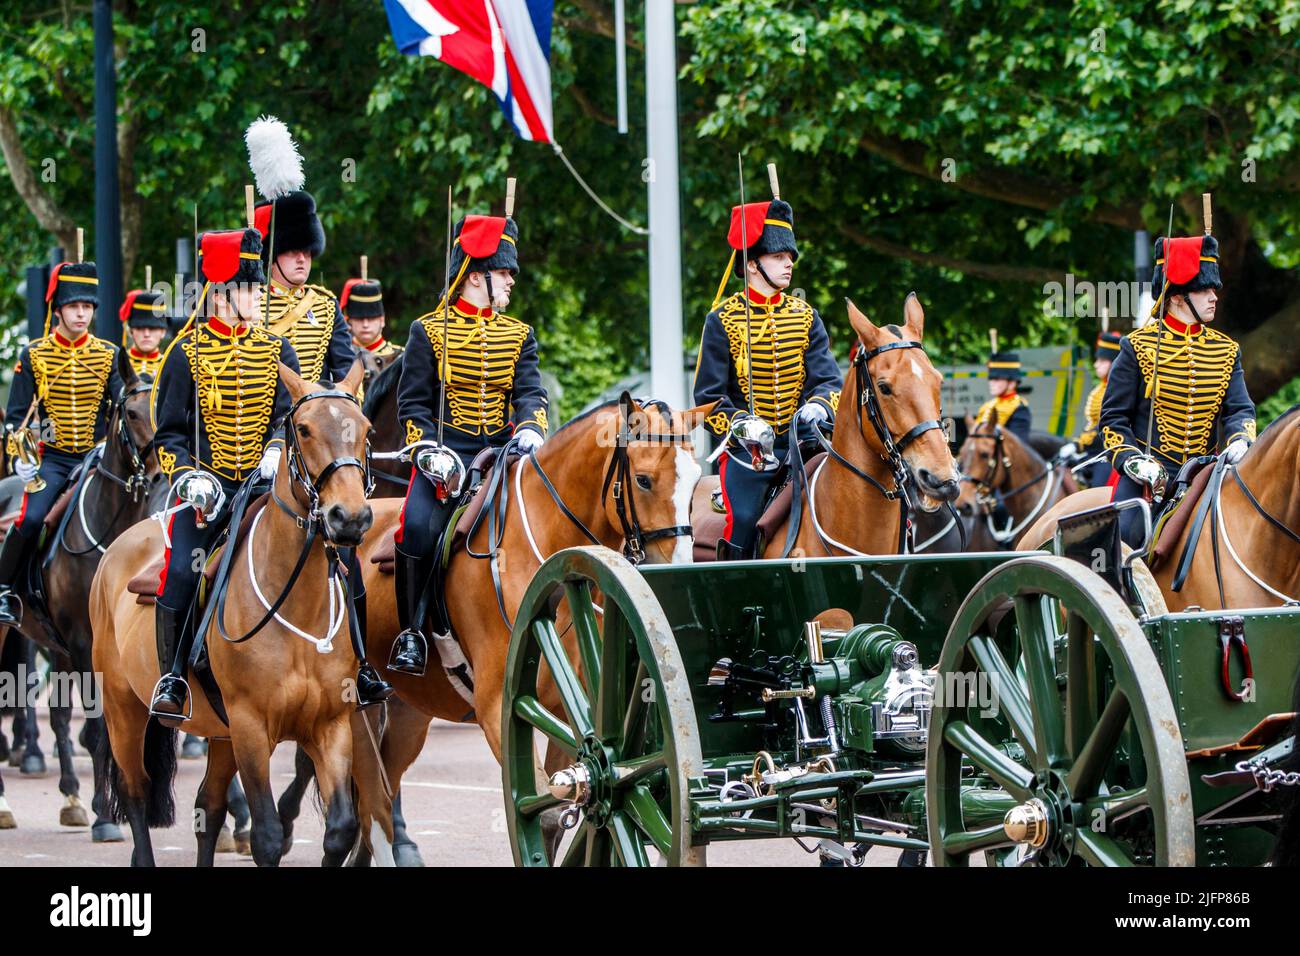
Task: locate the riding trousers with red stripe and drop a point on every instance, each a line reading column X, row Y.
column 423, row 518
column 56, row 467
column 744, row 492
column 190, row 549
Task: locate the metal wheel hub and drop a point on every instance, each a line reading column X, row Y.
column 1044, row 824
column 588, row 783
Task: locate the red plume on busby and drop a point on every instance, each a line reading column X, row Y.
column 144, row 309
column 768, row 229
column 1190, row 263
column 70, row 282
column 484, row 243
column 231, row 256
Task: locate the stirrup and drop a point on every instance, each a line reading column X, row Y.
column 18, row 621
column 392, row 653
column 163, row 716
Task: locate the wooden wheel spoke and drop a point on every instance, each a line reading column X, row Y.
column 576, row 855
column 612, row 696
column 1010, row 699
column 1116, row 805
column 586, row 631
column 627, row 841
column 1036, row 632
column 973, row 841
column 534, row 713
column 1085, row 777
column 1081, row 684
column 644, row 811
column 1008, row 774
column 1099, row 849
column 570, row 689
column 628, row 773
column 531, row 806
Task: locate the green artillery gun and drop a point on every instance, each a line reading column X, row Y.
column 1013, row 708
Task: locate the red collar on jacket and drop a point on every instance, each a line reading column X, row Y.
column 1183, row 328
column 136, row 353
column 464, row 306
column 59, row 339
column 221, row 328
column 757, row 298
column 374, row 346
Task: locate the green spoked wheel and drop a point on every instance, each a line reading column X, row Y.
column 1048, row 690
column 607, row 689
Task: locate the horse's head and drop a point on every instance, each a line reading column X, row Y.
column 906, row 386
column 132, row 424
column 324, row 466
column 992, row 459
column 659, row 476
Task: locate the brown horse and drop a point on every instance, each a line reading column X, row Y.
column 998, row 468
column 662, row 472
column 846, row 510
column 1259, row 542
column 276, row 686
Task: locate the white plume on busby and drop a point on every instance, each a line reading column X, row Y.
column 274, row 158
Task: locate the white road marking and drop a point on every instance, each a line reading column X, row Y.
column 450, row 786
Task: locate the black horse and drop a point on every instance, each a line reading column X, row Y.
column 117, row 487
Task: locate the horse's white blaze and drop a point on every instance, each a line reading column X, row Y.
column 380, row 848
column 916, row 369
column 688, row 476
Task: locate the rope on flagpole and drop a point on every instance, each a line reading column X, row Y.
column 639, row 230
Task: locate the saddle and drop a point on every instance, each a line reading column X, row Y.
column 464, row 513
column 145, row 584
column 709, row 526
column 1177, row 508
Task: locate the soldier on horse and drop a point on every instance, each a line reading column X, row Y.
column 1007, row 407
column 362, row 305
column 218, row 403
column 64, row 383
column 1175, row 379
column 474, row 371
column 765, row 359
column 144, row 319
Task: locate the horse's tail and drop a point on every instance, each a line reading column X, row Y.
column 159, row 765
column 1286, row 849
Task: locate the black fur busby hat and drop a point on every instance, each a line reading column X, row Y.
column 484, row 243
column 72, row 282
column 144, row 309
column 768, row 227
column 1107, row 345
column 232, row 256
column 297, row 227
column 1188, row 263
column 362, row 299
column 1005, row 365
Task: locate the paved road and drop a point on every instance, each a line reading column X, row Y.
column 452, row 799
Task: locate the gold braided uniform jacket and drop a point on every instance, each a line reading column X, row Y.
column 1091, row 418
column 1010, row 411
column 1201, row 387
column 235, row 377
column 75, row 384
column 308, row 318
column 493, row 381
column 792, row 362
column 144, row 364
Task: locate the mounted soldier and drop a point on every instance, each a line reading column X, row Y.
column 471, row 381
column 218, row 402
column 1089, row 444
column 144, row 323
column 1007, row 407
column 1174, row 381
column 307, row 316
column 765, row 359
column 362, row 305
column 59, row 406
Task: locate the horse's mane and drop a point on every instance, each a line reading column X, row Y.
column 382, row 386
column 1279, row 423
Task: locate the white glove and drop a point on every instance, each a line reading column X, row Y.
column 270, row 462
column 1235, row 451
column 812, row 413
column 530, row 439
column 1068, row 451
column 25, row 470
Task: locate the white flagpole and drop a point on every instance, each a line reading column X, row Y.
column 667, row 369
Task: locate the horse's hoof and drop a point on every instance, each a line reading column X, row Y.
column 244, row 842
column 33, row 765
column 225, row 841
column 73, row 814
column 105, row 831
column 15, row 757
column 4, row 748
column 7, row 821
column 194, row 748
column 407, row 854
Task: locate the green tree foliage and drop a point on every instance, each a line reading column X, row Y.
column 971, row 151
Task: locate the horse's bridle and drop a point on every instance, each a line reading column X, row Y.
column 986, row 487
column 136, row 483
column 300, row 475
column 868, row 398
column 620, row 471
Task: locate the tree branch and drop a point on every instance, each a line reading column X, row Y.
column 596, row 18
column 590, row 109
column 995, row 184
column 981, row 270
column 46, row 210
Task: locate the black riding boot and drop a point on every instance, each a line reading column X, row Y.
column 169, row 696
column 729, row 552
column 410, row 654
column 371, row 688
column 13, row 557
